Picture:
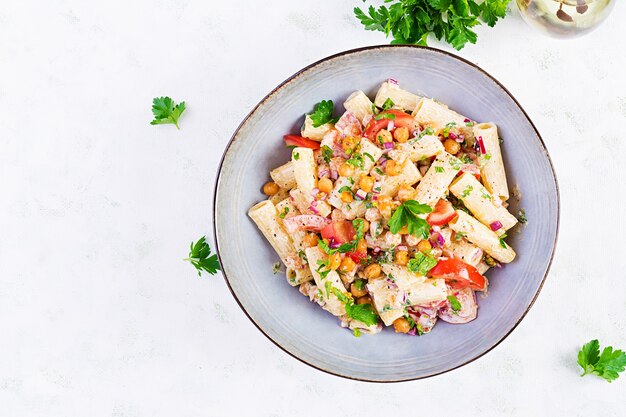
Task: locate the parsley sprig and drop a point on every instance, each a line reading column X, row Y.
column 421, row 263
column 166, row 111
column 364, row 313
column 322, row 113
column 201, row 258
column 407, row 215
column 411, row 21
column 607, row 364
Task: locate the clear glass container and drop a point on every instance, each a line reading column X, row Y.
column 565, row 18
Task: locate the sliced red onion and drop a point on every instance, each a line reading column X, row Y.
column 333, row 244
column 383, row 163
column 496, row 225
column 323, row 173
column 377, row 187
column 466, row 120
column 388, row 145
column 438, row 240
column 315, row 192
column 390, row 125
column 392, row 81
column 435, row 229
column 313, row 209
column 470, row 168
column 360, row 194
column 412, row 332
column 377, row 249
column 452, row 136
column 402, row 247
column 460, row 138
column 481, row 144
column 334, row 174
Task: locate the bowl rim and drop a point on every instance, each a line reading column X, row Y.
column 354, row 51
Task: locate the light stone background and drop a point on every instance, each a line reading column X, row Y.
column 99, row 316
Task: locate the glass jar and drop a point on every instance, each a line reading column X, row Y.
column 565, row 18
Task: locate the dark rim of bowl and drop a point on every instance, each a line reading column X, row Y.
column 348, row 52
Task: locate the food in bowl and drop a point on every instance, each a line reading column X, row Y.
column 390, row 214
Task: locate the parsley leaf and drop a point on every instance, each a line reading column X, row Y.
column 411, row 21
column 322, row 113
column 454, row 303
column 364, row 313
column 407, row 215
column 421, row 263
column 166, row 112
column 607, row 364
column 201, row 258
column 388, row 104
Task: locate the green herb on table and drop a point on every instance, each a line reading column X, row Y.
column 407, row 215
column 521, row 216
column 607, row 364
column 201, row 258
column 165, row 111
column 276, row 268
column 411, row 21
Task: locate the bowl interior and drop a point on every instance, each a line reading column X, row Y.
column 302, row 328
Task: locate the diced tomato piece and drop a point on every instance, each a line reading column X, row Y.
column 339, row 232
column 357, row 257
column 401, row 119
column 459, row 275
column 443, row 213
column 299, row 141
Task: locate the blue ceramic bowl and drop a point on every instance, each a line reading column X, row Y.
column 302, row 328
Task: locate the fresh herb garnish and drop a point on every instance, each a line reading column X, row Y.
column 502, row 242
column 166, row 112
column 407, row 215
column 359, row 284
column 411, row 21
column 421, row 263
column 322, row 113
column 388, row 116
column 521, row 216
column 361, row 312
column 296, row 156
column 201, row 258
column 356, row 159
column 327, row 153
column 356, row 332
column 439, row 170
column 284, row 213
column 344, row 189
column 275, row 268
column 369, row 156
column 467, row 191
column 388, row 104
column 607, row 364
column 454, row 303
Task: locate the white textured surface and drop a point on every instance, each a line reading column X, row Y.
column 100, row 317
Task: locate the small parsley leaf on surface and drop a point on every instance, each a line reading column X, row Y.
column 454, row 303
column 407, row 215
column 421, row 263
column 607, row 364
column 166, row 112
column 201, row 258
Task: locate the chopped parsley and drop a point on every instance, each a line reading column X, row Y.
column 322, row 113
column 359, row 284
column 356, row 159
column 356, row 332
column 296, row 156
column 454, row 303
column 485, row 195
column 388, row 104
column 502, row 242
column 284, row 213
column 276, row 268
column 439, row 170
column 467, row 191
column 369, row 156
column 521, row 216
column 421, row 263
column 327, row 153
column 388, row 116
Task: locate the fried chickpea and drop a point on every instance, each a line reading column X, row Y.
column 346, row 170
column 452, row 146
column 424, row 245
column 354, row 289
column 392, row 168
column 402, row 257
column 325, row 185
column 334, row 262
column 349, row 143
column 366, row 299
column 270, row 188
column 372, row 271
column 384, row 136
column 310, row 240
column 401, row 325
column 366, row 226
column 361, row 246
column 347, row 265
column 384, row 204
column 366, row 183
column 346, row 197
column 405, row 193
column 401, row 134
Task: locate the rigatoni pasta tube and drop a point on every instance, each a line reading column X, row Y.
column 304, row 169
column 402, row 99
column 359, row 104
column 326, row 283
column 483, row 237
column 311, row 132
column 429, row 113
column 478, row 200
column 437, row 179
column 408, row 176
column 283, row 176
column 492, row 167
column 265, row 215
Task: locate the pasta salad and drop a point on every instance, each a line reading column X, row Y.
column 391, row 213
